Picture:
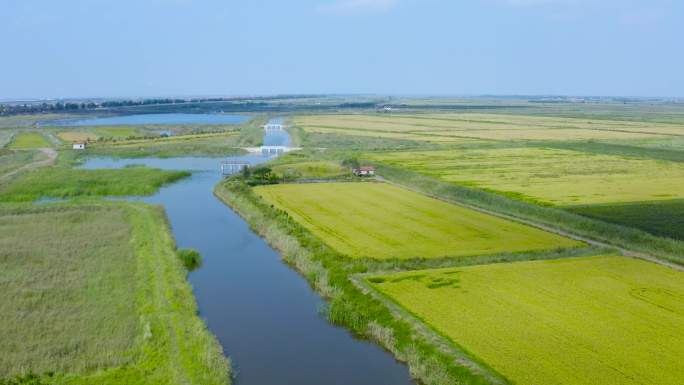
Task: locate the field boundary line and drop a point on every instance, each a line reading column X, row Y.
column 624, row 251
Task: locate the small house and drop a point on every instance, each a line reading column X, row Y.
column 79, row 146
column 364, row 171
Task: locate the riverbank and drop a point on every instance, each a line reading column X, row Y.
column 329, row 273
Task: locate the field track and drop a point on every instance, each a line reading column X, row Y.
column 51, row 157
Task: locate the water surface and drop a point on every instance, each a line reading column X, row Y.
column 157, row 119
column 264, row 314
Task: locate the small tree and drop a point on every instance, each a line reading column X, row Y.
column 351, row 163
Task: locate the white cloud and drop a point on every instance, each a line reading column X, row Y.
column 357, row 6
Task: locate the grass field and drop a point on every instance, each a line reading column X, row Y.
column 454, row 128
column 29, row 140
column 188, row 145
column 97, row 295
column 663, row 218
column 60, row 182
column 382, row 221
column 593, row 320
column 555, row 176
column 11, row 160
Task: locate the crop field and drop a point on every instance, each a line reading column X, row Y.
column 60, row 182
column 29, row 140
column 553, row 176
column 77, row 136
column 378, row 220
column 116, row 132
column 458, row 127
column 663, row 218
column 592, row 320
column 96, row 294
column 311, row 170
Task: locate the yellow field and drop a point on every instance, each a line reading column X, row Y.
column 442, row 127
column 378, row 220
column 598, row 320
column 77, row 136
column 561, row 177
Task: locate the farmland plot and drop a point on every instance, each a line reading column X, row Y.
column 593, row 320
column 378, row 220
column 455, row 127
column 554, row 176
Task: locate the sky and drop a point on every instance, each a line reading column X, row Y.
column 140, row 48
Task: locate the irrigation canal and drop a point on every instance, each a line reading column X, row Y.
column 264, row 314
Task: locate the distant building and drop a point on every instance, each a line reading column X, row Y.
column 364, row 171
column 79, row 146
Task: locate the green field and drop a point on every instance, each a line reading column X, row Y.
column 663, row 218
column 116, row 132
column 97, row 295
column 378, row 220
column 311, row 170
column 61, row 182
column 29, row 140
column 593, row 320
column 554, row 176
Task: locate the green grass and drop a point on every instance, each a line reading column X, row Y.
column 96, row 294
column 24, row 140
column 378, row 220
column 597, row 320
column 61, row 182
column 663, row 218
column 550, row 176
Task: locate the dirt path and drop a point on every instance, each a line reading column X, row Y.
column 593, row 242
column 51, row 157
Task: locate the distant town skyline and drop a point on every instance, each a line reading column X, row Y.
column 156, row 48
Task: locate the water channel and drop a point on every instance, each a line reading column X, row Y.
column 264, row 314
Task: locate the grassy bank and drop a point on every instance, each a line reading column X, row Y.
column 101, row 301
column 62, row 182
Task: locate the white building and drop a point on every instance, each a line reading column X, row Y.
column 79, row 146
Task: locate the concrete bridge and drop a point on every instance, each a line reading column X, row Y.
column 274, row 127
column 230, row 167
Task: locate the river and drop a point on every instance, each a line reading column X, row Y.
column 264, row 314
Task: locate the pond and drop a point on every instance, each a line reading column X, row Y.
column 153, row 119
column 265, row 315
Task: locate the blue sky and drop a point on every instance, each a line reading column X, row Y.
column 89, row 48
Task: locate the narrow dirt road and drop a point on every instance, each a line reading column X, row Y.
column 51, row 157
